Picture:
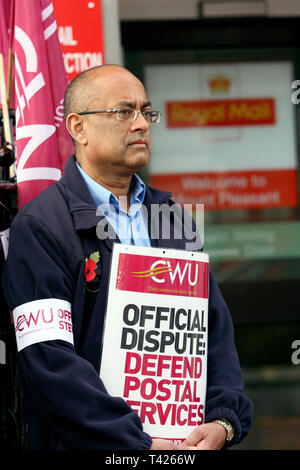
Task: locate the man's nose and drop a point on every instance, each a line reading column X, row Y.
column 140, row 123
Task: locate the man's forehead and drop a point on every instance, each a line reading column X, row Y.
column 121, row 83
column 117, row 97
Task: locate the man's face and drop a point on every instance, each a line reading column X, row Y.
column 113, row 145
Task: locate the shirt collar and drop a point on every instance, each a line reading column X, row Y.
column 82, row 205
column 102, row 195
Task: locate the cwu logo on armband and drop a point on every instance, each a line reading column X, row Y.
column 43, row 320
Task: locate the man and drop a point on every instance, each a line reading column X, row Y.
column 108, row 115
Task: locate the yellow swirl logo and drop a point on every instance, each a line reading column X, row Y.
column 177, row 273
column 152, row 272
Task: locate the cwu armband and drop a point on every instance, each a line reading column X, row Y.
column 43, row 320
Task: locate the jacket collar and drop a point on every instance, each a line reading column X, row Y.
column 82, row 206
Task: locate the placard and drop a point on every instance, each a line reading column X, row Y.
column 155, row 341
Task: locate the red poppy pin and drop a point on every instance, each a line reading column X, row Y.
column 91, row 265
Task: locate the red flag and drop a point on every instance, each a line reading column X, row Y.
column 42, row 141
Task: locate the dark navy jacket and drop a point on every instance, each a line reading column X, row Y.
column 67, row 403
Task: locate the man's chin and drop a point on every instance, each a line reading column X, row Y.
column 138, row 160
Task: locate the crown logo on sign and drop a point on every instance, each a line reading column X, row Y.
column 219, row 83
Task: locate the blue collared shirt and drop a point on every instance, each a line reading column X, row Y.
column 131, row 226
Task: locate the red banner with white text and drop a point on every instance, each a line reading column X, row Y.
column 232, row 190
column 80, row 32
column 150, row 273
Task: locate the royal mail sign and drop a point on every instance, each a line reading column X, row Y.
column 214, row 113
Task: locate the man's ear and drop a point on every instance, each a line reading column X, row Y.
column 75, row 126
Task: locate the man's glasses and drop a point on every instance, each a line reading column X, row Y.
column 126, row 113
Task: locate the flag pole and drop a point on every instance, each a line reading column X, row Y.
column 10, row 53
column 5, row 110
column 10, row 64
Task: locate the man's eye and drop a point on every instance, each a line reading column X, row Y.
column 125, row 111
column 147, row 113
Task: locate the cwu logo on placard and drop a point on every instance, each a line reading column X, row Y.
column 172, row 276
column 181, row 271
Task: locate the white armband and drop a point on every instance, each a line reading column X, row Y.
column 43, row 320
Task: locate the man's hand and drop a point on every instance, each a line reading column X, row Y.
column 209, row 436
column 163, row 444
